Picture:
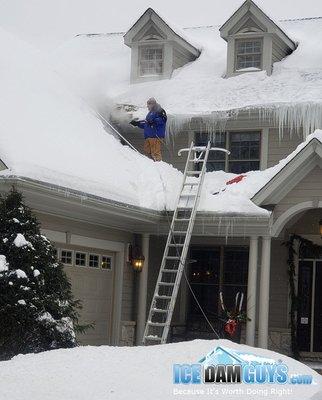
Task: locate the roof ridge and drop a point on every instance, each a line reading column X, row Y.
column 197, row 27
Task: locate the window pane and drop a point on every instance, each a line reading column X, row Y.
column 66, row 257
column 80, row 259
column 106, row 262
column 235, row 275
column 240, row 167
column 204, row 279
column 248, row 54
column 151, row 61
column 93, row 261
column 216, row 160
column 245, row 152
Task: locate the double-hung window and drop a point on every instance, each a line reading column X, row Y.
column 244, row 150
column 150, row 60
column 248, row 54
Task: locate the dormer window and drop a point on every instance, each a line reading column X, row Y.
column 248, row 54
column 156, row 48
column 254, row 41
column 151, row 61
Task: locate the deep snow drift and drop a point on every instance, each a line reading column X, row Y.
column 122, row 373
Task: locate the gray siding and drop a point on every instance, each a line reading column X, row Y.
column 181, row 58
column 279, row 50
column 279, row 148
column 309, row 188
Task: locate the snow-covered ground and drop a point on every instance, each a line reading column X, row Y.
column 122, row 373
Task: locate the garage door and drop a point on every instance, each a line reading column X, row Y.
column 91, row 274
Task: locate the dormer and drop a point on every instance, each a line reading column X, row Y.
column 156, row 48
column 254, row 41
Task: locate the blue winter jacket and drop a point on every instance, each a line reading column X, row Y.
column 154, row 125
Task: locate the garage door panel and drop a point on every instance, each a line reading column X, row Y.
column 95, row 290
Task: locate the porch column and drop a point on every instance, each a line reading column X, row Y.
column 264, row 293
column 251, row 290
column 142, row 291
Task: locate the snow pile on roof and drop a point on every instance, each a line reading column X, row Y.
column 231, row 198
column 291, row 95
column 118, row 373
column 48, row 134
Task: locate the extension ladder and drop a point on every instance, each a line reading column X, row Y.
column 177, row 245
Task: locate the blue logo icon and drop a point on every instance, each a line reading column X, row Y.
column 223, row 365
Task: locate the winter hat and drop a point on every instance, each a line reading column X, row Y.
column 152, row 100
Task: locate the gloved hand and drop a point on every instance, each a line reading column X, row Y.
column 150, row 123
column 134, row 122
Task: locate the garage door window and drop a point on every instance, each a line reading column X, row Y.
column 80, row 259
column 66, row 257
column 106, row 262
column 93, row 261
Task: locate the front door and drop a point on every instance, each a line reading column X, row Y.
column 309, row 322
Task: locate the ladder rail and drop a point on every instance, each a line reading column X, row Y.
column 185, row 250
column 176, row 270
column 165, row 252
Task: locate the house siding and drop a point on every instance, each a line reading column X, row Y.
column 281, row 147
column 308, row 189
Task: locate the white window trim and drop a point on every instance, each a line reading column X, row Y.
column 151, row 46
column 249, row 39
column 86, row 259
column 227, row 146
column 72, row 257
column 99, row 261
column 112, row 262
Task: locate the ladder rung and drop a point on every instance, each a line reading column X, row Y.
column 188, row 194
column 151, row 337
column 191, row 184
column 184, row 208
column 182, row 220
column 193, row 172
column 172, row 271
column 165, row 284
column 158, row 310
column 161, row 296
column 156, row 323
column 176, row 245
column 172, row 258
column 179, row 232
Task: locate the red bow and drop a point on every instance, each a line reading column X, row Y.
column 230, row 327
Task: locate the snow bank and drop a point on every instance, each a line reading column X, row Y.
column 292, row 95
column 119, row 373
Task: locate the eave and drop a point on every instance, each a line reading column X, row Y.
column 63, row 202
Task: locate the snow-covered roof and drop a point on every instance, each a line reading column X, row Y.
column 292, row 94
column 53, row 136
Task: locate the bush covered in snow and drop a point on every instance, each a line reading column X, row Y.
column 37, row 309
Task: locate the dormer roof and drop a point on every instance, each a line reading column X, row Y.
column 250, row 15
column 150, row 26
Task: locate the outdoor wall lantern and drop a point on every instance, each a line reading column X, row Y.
column 320, row 227
column 136, row 258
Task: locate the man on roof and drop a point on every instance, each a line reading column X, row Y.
column 154, row 129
